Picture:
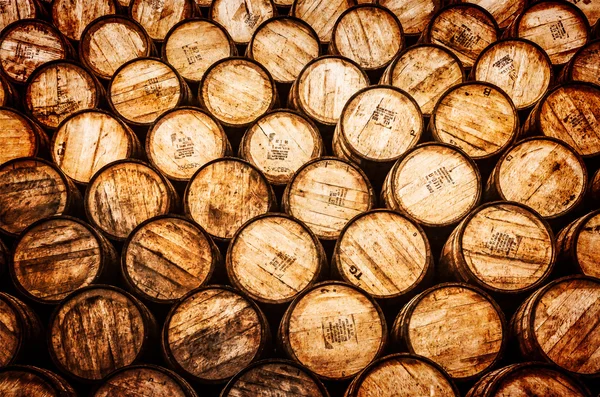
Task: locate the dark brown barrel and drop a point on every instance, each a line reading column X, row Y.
column 425, row 71
column 414, row 15
column 327, row 192
column 559, row 324
column 334, row 329
column 571, row 113
column 501, row 247
column 5, row 257
column 191, row 56
column 465, row 29
column 584, row 66
column 578, row 242
column 272, row 258
column 125, row 38
column 31, row 189
column 14, row 10
column 519, row 67
column 8, row 93
column 27, row 44
column 57, row 256
column 20, row 136
column 402, row 375
column 321, row 15
column 559, row 27
column 542, row 173
column 20, row 331
column 184, row 139
column 241, row 17
column 591, row 9
column 457, row 325
column 477, row 117
column 166, row 257
column 28, row 381
column 595, row 186
column 124, row 193
column 144, row 88
column 284, row 45
column 225, row 193
column 58, row 89
column 97, row 330
column 527, row 380
column 274, row 377
column 213, row 333
column 144, row 380
column 383, row 253
column 279, row 143
column 158, row 17
column 72, row 16
column 504, row 12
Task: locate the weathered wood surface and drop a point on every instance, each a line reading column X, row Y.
column 72, row 16
column 20, row 330
column 591, row 9
column 28, row 381
column 166, row 257
column 14, row 10
column 578, row 242
column 414, row 15
column 241, row 17
column 595, row 186
column 8, row 94
column 334, row 329
column 321, row 15
column 213, row 333
column 158, row 17
column 504, row 12
column 20, row 136
column 584, row 65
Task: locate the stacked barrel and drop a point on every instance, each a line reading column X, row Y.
column 319, row 198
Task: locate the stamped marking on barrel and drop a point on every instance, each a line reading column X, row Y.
column 281, row 263
column 384, row 117
column 192, row 52
column 504, row 243
column 337, row 196
column 465, row 37
column 507, row 66
column 278, row 149
column 338, row 330
column 438, row 179
column 558, row 31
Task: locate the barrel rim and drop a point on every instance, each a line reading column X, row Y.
column 194, row 10
column 33, row 126
column 570, row 66
column 241, row 43
column 54, row 11
column 8, row 300
column 55, row 382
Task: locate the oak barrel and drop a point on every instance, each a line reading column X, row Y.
column 97, row 330
column 158, row 17
column 20, row 331
column 72, row 16
column 383, row 253
column 213, row 333
column 414, row 15
column 542, row 173
column 457, row 325
column 166, row 257
column 327, row 192
column 321, row 15
column 183, row 139
column 124, row 193
column 8, row 94
column 14, row 10
column 578, row 242
column 225, row 193
column 20, row 136
column 504, row 12
column 595, row 187
column 334, row 329
column 31, row 189
column 241, row 17
column 57, row 256
column 28, row 381
column 584, row 65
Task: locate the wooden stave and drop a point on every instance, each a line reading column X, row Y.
column 566, row 242
column 57, row 382
column 30, row 327
column 42, row 142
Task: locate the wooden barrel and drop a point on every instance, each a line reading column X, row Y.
column 559, row 27
column 334, row 329
column 158, row 17
column 144, row 88
column 144, row 380
column 20, row 136
column 241, row 17
column 240, row 104
column 25, row 381
column 542, row 173
column 15, row 10
column 72, row 16
column 559, row 324
column 191, row 56
column 519, row 67
column 213, row 333
column 274, row 377
column 571, row 113
column 465, row 29
column 369, row 34
column 88, row 140
column 272, row 258
column 284, row 45
column 225, row 193
column 184, row 139
column 57, row 256
column 126, row 39
column 578, row 242
column 324, row 86
column 97, row 330
column 584, row 66
column 31, row 189
column 402, row 375
column 501, row 247
column 8, row 94
column 595, row 186
column 321, row 15
column 434, row 184
column 383, row 253
column 327, row 192
column 477, row 117
column 20, row 331
column 526, row 380
column 124, row 193
column 591, row 9
column 425, row 71
column 279, row 143
column 166, row 257
column 27, row 44
column 414, row 15
column 457, row 325
column 504, row 12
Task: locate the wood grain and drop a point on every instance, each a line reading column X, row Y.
column 321, row 15
column 414, row 15
column 590, row 9
column 20, row 330
column 584, row 65
column 241, row 17
column 159, row 16
column 20, row 136
column 28, row 381
column 504, row 12
column 14, row 10
column 577, row 244
column 72, row 16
